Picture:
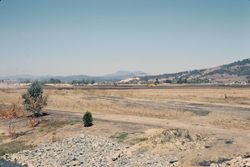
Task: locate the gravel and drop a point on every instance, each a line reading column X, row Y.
column 93, row 151
column 88, row 151
column 240, row 161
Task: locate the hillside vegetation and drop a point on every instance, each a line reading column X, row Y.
column 237, row 72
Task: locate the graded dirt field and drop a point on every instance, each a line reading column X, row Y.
column 198, row 125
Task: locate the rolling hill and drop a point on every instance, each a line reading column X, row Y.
column 237, row 72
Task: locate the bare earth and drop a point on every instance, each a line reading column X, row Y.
column 217, row 118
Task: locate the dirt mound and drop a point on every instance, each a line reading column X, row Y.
column 179, row 139
column 173, row 140
column 174, row 134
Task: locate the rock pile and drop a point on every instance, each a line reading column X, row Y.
column 180, row 139
column 240, row 161
column 86, row 151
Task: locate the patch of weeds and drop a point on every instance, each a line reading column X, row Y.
column 13, row 147
column 142, row 139
column 54, row 125
column 54, row 139
column 139, row 139
column 208, row 163
column 73, row 122
column 142, row 150
column 229, row 141
column 2, row 136
column 200, row 112
column 120, row 137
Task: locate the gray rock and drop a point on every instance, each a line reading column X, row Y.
column 86, row 151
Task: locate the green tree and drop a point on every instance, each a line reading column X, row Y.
column 34, row 100
column 182, row 81
column 54, row 81
column 157, row 81
column 74, row 82
column 87, row 119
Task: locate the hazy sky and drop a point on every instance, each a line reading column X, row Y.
column 62, row 37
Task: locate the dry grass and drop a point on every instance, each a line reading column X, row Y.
column 230, row 123
column 134, row 101
column 120, row 136
column 50, row 126
column 141, row 102
column 147, row 102
column 11, row 111
column 13, row 147
column 74, row 98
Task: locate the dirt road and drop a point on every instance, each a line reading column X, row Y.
column 155, row 122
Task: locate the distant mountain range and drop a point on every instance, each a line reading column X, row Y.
column 117, row 76
column 237, row 72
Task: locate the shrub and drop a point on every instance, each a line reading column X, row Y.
column 87, row 119
column 157, row 82
column 34, row 101
column 11, row 113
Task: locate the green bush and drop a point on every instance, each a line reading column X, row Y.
column 87, row 119
column 33, row 99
